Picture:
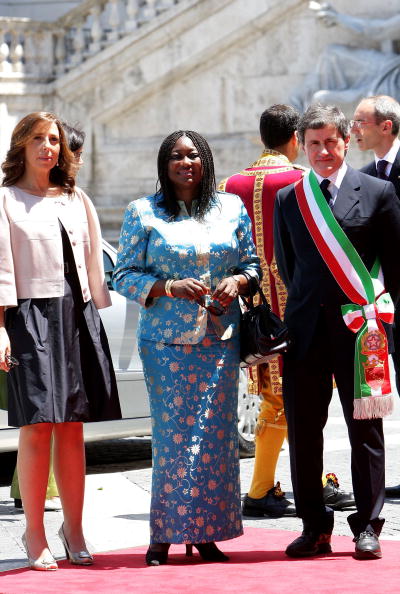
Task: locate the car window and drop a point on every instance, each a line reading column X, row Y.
column 108, row 269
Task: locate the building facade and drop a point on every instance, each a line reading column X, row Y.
column 132, row 71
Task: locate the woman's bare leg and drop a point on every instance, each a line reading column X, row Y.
column 69, row 469
column 33, row 471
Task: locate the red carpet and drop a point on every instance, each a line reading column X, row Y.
column 257, row 565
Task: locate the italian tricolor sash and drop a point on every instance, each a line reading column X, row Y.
column 370, row 305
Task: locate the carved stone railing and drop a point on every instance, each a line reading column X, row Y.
column 43, row 51
column 26, row 49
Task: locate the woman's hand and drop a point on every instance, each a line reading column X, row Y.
column 5, row 349
column 227, row 290
column 189, row 288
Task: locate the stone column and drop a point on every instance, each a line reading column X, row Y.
column 113, row 21
column 5, row 65
column 78, row 44
column 60, row 53
column 132, row 8
column 30, row 53
column 147, row 12
column 96, row 30
column 16, row 52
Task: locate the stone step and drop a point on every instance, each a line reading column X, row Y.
column 111, row 220
column 111, row 237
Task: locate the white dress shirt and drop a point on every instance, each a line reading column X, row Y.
column 336, row 179
column 390, row 156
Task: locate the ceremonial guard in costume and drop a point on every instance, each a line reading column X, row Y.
column 257, row 186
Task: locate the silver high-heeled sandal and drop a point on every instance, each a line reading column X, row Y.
column 39, row 564
column 76, row 558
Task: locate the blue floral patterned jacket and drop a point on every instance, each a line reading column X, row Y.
column 153, row 247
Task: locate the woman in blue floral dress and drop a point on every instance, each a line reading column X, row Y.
column 182, row 255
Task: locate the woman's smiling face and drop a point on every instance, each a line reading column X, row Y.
column 184, row 167
column 43, row 148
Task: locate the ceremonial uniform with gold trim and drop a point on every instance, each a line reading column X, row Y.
column 257, row 186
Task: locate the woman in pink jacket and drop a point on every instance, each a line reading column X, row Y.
column 52, row 341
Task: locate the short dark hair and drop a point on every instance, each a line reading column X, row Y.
column 278, row 123
column 75, row 136
column 319, row 115
column 386, row 108
column 62, row 174
column 207, row 187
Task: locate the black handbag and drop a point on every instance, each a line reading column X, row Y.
column 263, row 335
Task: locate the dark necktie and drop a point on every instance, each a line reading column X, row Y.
column 381, row 168
column 324, row 189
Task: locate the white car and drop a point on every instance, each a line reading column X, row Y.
column 120, row 322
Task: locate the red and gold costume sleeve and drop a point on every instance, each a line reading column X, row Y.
column 257, row 186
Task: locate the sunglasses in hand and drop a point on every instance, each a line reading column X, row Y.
column 11, row 361
column 215, row 308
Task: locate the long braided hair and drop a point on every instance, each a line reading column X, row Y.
column 207, row 187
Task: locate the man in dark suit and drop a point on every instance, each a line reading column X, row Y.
column 257, row 186
column 368, row 211
column 376, row 127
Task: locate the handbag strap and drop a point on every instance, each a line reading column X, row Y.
column 254, row 288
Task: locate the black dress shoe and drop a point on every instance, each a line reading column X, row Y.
column 208, row 551
column 18, row 503
column 273, row 504
column 367, row 546
column 393, row 492
column 310, row 544
column 159, row 557
column 334, row 497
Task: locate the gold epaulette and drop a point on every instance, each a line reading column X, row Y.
column 222, row 184
column 300, row 167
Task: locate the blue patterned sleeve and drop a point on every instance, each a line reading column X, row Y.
column 249, row 262
column 130, row 278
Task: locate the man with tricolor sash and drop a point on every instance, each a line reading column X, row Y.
column 337, row 237
column 257, row 186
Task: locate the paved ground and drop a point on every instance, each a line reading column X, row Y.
column 117, row 504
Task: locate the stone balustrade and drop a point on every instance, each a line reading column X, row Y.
column 43, row 51
column 26, row 49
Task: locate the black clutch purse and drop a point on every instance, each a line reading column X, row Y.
column 263, row 335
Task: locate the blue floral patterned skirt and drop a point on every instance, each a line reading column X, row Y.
column 193, row 399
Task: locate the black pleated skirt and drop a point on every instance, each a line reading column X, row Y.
column 65, row 371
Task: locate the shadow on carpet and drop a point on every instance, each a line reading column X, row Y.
column 257, row 564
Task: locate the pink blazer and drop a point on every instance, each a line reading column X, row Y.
column 31, row 253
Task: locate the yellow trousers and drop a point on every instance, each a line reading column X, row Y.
column 271, row 431
column 52, row 490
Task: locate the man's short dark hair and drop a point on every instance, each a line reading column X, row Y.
column 278, row 124
column 386, row 108
column 318, row 116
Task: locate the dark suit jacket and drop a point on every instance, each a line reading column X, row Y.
column 368, row 211
column 394, row 176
